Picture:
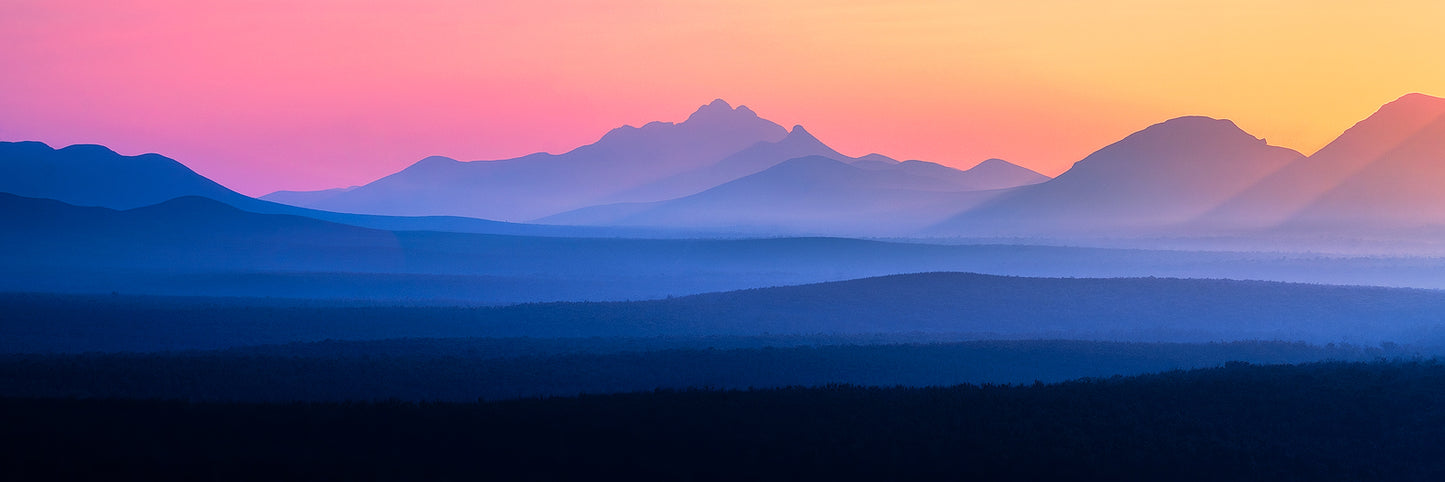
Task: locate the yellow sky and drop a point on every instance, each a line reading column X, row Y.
column 1294, row 72
column 271, row 94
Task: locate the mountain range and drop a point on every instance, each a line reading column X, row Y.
column 1196, row 176
column 659, row 162
column 92, row 175
column 540, row 184
column 726, row 170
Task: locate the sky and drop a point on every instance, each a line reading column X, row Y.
column 266, row 95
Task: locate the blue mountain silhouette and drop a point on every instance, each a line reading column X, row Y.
column 541, row 184
column 813, row 194
column 92, row 175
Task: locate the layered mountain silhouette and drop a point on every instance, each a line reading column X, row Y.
column 92, row 175
column 1162, row 176
column 302, row 197
column 188, row 233
column 1367, row 175
column 658, row 162
column 875, row 160
column 798, row 143
column 725, row 169
column 542, row 184
column 815, row 195
column 987, row 175
column 200, row 247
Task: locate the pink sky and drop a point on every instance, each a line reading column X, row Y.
column 268, row 95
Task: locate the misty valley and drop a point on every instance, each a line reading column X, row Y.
column 724, row 298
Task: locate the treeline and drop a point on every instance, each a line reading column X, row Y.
column 1326, row 421
column 471, row 369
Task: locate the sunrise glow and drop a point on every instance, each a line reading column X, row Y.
column 275, row 95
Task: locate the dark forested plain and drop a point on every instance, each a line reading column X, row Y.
column 734, row 385
column 491, row 369
column 1324, row 421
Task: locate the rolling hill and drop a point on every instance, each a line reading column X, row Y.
column 92, row 175
column 198, row 246
column 990, row 174
column 971, row 306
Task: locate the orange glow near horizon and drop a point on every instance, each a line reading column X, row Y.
column 267, row 95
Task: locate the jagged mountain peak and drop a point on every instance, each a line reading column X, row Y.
column 720, row 110
column 799, row 134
